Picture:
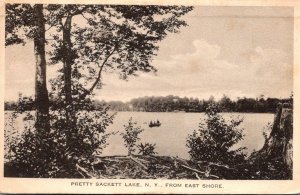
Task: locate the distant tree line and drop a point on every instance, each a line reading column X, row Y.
column 177, row 104
column 174, row 103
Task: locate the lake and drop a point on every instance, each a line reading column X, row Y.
column 170, row 137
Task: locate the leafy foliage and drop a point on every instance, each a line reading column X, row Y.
column 146, row 149
column 115, row 37
column 130, row 136
column 19, row 18
column 214, row 139
column 52, row 153
column 112, row 38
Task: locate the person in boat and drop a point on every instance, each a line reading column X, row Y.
column 154, row 124
column 151, row 123
column 157, row 122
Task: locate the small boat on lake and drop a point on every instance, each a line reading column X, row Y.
column 154, row 124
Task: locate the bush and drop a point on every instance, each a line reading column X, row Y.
column 146, row 149
column 52, row 153
column 214, row 139
column 130, row 136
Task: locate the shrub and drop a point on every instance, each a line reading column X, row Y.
column 52, row 153
column 130, row 136
column 146, row 149
column 214, row 139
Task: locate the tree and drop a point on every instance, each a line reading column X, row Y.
column 60, row 17
column 226, row 103
column 214, row 139
column 31, row 20
column 275, row 159
column 41, row 92
column 114, row 37
column 62, row 149
column 131, row 136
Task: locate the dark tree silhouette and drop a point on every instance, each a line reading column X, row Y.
column 30, row 19
column 112, row 37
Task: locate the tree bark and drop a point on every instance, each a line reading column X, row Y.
column 70, row 111
column 41, row 93
column 278, row 146
column 67, row 61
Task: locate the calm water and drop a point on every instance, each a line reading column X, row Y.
column 170, row 137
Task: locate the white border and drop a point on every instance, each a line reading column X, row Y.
column 18, row 185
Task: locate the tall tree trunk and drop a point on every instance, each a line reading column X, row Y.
column 67, row 69
column 67, row 60
column 41, row 93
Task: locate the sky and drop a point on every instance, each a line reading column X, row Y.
column 237, row 51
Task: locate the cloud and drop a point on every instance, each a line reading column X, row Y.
column 202, row 73
column 269, row 62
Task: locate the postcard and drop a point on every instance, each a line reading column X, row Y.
column 193, row 97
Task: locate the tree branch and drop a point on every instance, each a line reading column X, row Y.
column 138, row 162
column 197, row 171
column 214, row 164
column 79, row 11
column 87, row 19
column 99, row 74
column 83, row 170
column 48, row 28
